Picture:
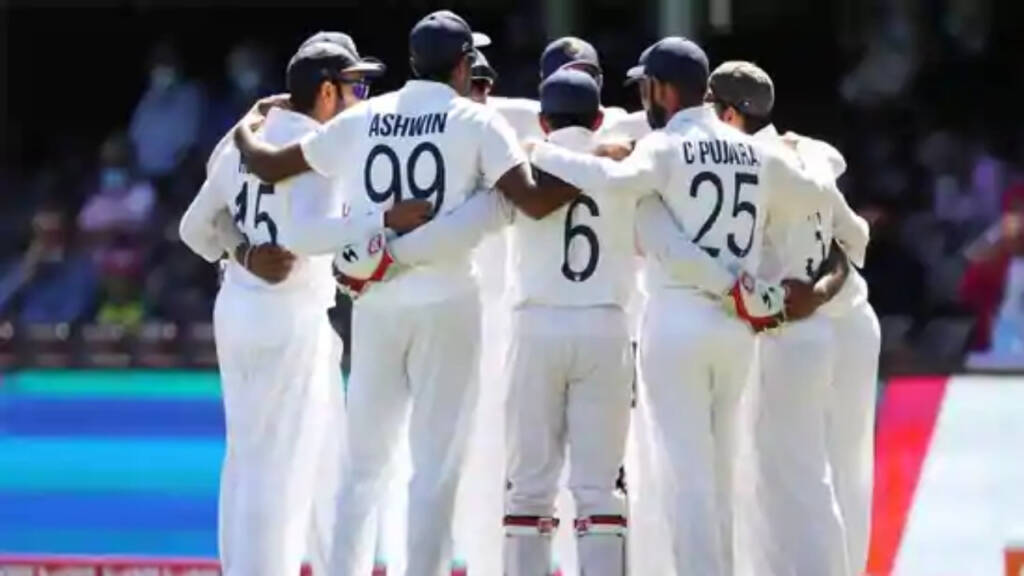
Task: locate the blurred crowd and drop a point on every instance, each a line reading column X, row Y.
column 940, row 177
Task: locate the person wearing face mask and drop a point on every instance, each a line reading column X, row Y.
column 279, row 357
column 123, row 202
column 165, row 123
column 52, row 282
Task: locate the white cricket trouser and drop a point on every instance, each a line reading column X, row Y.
column 695, row 360
column 333, row 456
column 480, row 502
column 850, row 427
column 417, row 363
column 570, row 380
column 275, row 365
column 787, row 521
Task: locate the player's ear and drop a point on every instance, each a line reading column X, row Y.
column 598, row 120
column 544, row 124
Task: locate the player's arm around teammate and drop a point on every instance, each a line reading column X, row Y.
column 536, row 198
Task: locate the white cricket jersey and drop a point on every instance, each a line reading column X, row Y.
column 632, row 126
column 524, row 116
column 422, row 141
column 281, row 213
column 580, row 255
column 718, row 183
column 796, row 247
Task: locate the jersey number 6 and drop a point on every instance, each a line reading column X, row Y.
column 572, row 231
column 393, row 191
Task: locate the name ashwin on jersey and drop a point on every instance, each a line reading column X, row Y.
column 720, row 152
column 399, row 125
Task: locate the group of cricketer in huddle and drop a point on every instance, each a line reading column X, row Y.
column 657, row 313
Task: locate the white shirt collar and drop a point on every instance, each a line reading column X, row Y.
column 429, row 87
column 702, row 113
column 575, row 138
column 285, row 117
column 767, row 134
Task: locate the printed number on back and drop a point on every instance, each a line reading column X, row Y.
column 260, row 217
column 392, row 189
column 740, row 209
column 582, row 233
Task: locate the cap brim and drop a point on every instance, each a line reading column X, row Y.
column 368, row 67
column 634, row 74
column 480, row 40
column 487, row 73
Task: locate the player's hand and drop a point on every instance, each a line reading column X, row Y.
column 363, row 263
column 256, row 115
column 528, row 146
column 263, row 105
column 614, row 150
column 269, row 262
column 760, row 304
column 407, row 215
column 802, row 299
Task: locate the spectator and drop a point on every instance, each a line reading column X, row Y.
column 248, row 80
column 53, row 282
column 990, row 260
column 121, row 302
column 165, row 124
column 123, row 201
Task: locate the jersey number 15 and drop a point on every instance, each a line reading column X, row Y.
column 260, row 217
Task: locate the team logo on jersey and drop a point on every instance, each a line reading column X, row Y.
column 349, row 254
column 376, row 244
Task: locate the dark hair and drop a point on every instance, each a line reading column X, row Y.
column 559, row 121
column 303, row 97
column 307, row 75
column 751, row 123
column 690, row 93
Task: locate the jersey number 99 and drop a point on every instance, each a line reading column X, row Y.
column 393, row 190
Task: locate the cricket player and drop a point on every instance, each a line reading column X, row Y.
column 564, row 52
column 569, row 360
column 278, row 372
column 798, row 529
column 695, row 357
column 416, row 337
column 816, row 388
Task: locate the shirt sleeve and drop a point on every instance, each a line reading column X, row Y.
column 795, row 189
column 852, row 232
column 324, row 149
column 315, row 225
column 454, row 233
column 638, row 174
column 499, row 150
column 659, row 237
column 199, row 229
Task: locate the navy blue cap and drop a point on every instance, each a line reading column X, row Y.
column 569, row 91
column 369, row 66
column 439, row 40
column 680, row 60
column 319, row 61
column 635, row 73
column 569, row 50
